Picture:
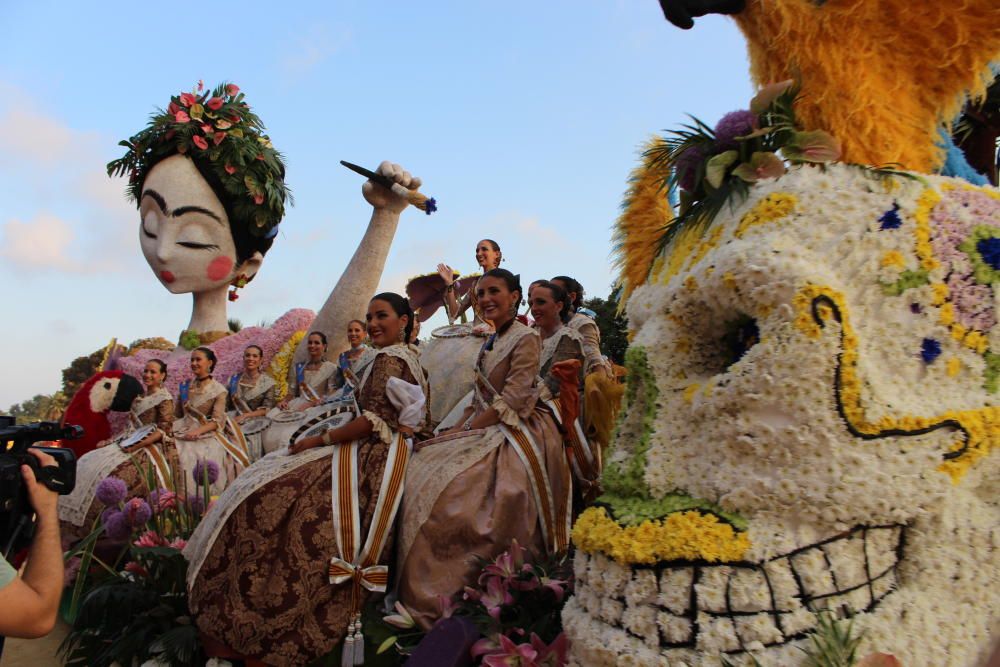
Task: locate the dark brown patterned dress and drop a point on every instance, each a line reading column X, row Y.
column 263, row 589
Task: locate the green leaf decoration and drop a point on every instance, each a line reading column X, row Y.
column 715, row 170
column 762, row 165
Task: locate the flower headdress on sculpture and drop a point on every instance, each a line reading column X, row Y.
column 227, row 143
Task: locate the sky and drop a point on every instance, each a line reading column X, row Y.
column 523, row 119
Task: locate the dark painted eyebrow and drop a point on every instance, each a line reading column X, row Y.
column 158, row 198
column 195, row 209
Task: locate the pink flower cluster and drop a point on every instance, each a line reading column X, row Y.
column 953, row 221
column 228, row 350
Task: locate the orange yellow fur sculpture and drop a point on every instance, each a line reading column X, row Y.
column 882, row 76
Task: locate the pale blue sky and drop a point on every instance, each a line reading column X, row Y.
column 523, row 119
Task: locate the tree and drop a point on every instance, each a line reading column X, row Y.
column 612, row 325
column 39, row 408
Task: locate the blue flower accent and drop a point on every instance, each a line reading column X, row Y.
column 431, row 206
column 930, row 350
column 989, row 250
column 891, row 219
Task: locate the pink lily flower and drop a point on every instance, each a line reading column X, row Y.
column 496, row 596
column 512, row 655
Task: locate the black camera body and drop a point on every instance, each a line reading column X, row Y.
column 16, row 513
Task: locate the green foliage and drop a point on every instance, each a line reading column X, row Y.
column 40, row 407
column 627, row 478
column 613, row 326
column 80, row 370
column 632, row 511
column 907, row 280
column 833, row 644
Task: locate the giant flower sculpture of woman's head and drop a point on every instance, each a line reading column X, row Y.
column 210, row 190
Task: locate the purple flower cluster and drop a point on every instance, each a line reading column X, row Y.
column 111, row 491
column 734, row 124
column 203, row 468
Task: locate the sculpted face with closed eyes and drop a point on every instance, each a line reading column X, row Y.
column 185, row 232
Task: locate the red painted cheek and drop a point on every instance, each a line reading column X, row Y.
column 219, row 268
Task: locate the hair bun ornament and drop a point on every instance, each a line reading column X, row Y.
column 227, row 143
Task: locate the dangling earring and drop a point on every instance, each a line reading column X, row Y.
column 239, row 282
column 402, row 334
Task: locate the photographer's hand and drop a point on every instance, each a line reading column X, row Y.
column 29, row 604
column 43, row 500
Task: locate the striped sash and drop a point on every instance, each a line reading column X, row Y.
column 237, row 449
column 553, row 513
column 586, row 464
column 358, row 563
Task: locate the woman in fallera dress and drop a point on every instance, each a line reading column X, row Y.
column 499, row 475
column 584, row 325
column 156, row 451
column 561, row 363
column 201, row 428
column 271, row 574
column 252, row 394
column 314, row 378
column 352, row 362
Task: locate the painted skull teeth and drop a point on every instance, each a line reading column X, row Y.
column 741, row 606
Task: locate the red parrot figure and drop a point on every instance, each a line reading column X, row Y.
column 103, row 392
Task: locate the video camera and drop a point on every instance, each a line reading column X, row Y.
column 16, row 514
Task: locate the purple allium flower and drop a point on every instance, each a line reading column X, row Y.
column 687, row 167
column 203, row 467
column 111, row 491
column 137, row 511
column 733, row 124
column 989, row 250
column 116, row 525
column 196, row 503
column 431, row 205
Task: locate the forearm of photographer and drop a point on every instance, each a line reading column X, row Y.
column 29, row 603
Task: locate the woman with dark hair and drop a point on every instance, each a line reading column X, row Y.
column 562, row 381
column 584, row 325
column 200, row 430
column 252, row 393
column 499, row 475
column 128, row 456
column 280, row 569
column 488, row 256
column 352, row 362
column 313, row 378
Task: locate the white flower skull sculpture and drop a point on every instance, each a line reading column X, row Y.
column 813, row 398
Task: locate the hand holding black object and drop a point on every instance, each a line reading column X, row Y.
column 683, row 12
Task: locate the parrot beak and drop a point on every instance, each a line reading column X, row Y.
column 683, row 12
column 128, row 389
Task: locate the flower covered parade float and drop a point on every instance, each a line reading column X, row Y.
column 210, row 191
column 813, row 371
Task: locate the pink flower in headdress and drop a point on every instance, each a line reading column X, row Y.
column 199, row 142
column 172, row 108
column 258, row 199
column 182, row 116
column 230, row 169
column 178, row 543
column 232, row 89
column 223, row 124
column 260, row 156
column 218, row 137
column 201, row 85
column 214, row 104
column 187, row 99
column 206, row 128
